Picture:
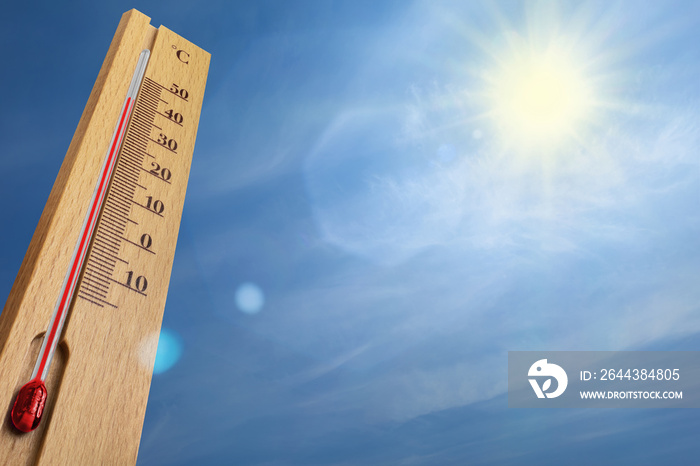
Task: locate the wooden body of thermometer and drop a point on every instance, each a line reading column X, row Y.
column 79, row 331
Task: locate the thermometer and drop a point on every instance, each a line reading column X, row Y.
column 29, row 405
column 78, row 334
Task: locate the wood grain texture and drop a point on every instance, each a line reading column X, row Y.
column 99, row 380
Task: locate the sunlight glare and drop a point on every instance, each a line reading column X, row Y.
column 539, row 98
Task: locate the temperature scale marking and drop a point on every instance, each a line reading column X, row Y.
column 110, row 235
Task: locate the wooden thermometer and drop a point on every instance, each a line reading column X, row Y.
column 79, row 331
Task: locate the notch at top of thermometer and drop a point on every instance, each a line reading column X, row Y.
column 31, row 399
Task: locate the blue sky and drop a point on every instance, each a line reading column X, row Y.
column 368, row 230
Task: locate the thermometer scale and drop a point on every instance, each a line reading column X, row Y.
column 78, row 334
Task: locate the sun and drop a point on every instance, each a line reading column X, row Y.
column 539, row 99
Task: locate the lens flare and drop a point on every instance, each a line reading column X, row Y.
column 169, row 351
column 249, row 298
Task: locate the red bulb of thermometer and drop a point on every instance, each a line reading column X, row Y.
column 29, row 406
